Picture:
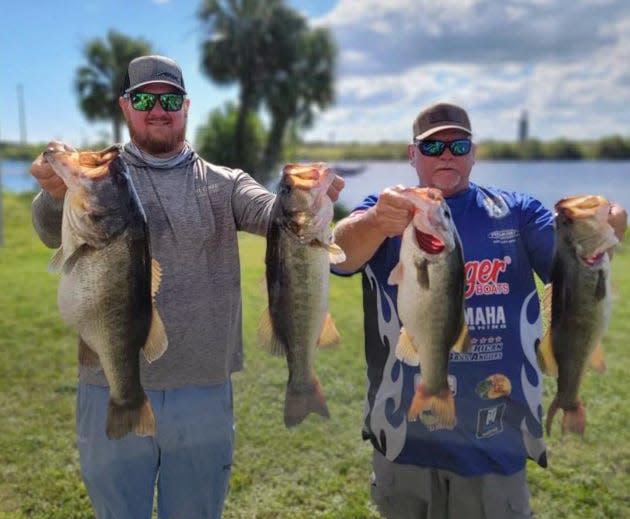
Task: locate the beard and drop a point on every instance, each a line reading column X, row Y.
column 446, row 180
column 158, row 143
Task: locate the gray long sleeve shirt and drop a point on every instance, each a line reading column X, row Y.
column 194, row 211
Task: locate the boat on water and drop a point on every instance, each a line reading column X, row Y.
column 347, row 170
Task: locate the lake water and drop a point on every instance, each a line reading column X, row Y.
column 16, row 176
column 547, row 181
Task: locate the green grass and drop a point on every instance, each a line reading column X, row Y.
column 317, row 470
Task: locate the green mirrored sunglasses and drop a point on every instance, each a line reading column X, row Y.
column 145, row 101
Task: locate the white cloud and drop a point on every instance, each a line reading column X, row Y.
column 565, row 62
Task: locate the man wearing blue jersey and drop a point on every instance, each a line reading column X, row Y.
column 477, row 469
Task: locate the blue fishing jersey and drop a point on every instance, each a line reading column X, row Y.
column 496, row 383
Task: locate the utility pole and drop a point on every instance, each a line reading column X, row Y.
column 523, row 127
column 20, row 92
column 1, row 206
column 1, row 209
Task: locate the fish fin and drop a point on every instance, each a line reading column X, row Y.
column 406, row 350
column 262, row 284
column 441, row 405
column 267, row 338
column 299, row 404
column 545, row 301
column 335, row 253
column 329, row 335
column 463, row 340
column 125, row 418
column 396, row 275
column 87, row 356
column 614, row 293
column 597, row 360
column 57, row 261
column 157, row 341
column 546, row 359
column 66, row 255
column 551, row 413
column 156, row 277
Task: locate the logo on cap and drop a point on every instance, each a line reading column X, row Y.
column 167, row 75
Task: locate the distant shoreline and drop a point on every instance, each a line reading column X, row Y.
column 607, row 148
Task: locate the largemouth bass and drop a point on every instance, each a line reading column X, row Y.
column 108, row 280
column 430, row 279
column 580, row 303
column 298, row 257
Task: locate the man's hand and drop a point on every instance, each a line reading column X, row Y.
column 335, row 188
column 392, row 212
column 46, row 177
column 618, row 220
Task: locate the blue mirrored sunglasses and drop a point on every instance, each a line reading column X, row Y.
column 435, row 148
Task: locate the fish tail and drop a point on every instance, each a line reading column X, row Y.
column 574, row 420
column 124, row 418
column 443, row 407
column 298, row 404
column 553, row 409
column 441, row 404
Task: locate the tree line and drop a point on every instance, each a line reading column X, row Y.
column 614, row 147
column 218, row 133
column 606, row 148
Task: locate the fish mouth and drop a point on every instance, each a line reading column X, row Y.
column 583, row 206
column 305, row 176
column 593, row 261
column 431, row 230
column 429, row 243
column 91, row 165
column 95, row 165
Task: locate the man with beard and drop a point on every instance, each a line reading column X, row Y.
column 193, row 210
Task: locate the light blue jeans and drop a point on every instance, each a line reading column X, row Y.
column 189, row 458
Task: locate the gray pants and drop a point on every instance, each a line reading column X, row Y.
column 412, row 492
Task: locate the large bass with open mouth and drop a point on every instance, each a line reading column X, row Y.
column 108, row 280
column 431, row 304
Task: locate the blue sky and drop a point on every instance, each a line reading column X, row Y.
column 564, row 61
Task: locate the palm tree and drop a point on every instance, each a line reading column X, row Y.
column 305, row 81
column 269, row 50
column 238, row 49
column 98, row 83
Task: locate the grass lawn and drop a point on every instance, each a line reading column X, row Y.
column 318, row 469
